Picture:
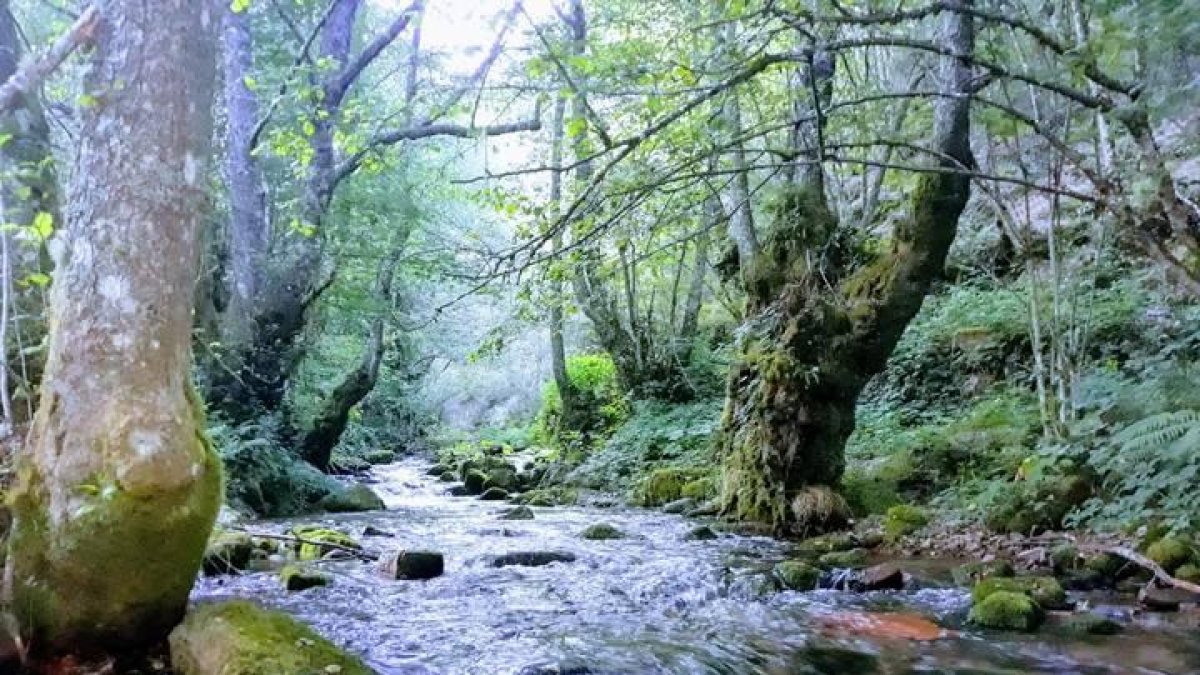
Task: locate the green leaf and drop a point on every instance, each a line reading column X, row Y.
column 43, row 225
column 250, row 82
column 576, row 127
column 239, row 6
column 37, row 279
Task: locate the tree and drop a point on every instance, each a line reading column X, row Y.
column 820, row 324
column 118, row 486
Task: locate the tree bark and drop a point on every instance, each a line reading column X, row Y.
column 119, row 486
column 558, row 350
column 30, row 187
column 816, row 332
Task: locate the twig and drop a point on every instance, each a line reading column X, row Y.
column 37, row 69
column 1138, row 559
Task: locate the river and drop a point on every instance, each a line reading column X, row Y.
column 649, row 603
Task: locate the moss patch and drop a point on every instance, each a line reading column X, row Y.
column 797, row 576
column 1045, row 591
column 902, row 520
column 1171, row 553
column 1007, row 610
column 662, row 486
column 314, row 537
column 240, row 638
column 601, row 531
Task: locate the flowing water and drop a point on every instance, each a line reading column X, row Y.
column 649, row 603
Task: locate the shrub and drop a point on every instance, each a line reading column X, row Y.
column 602, row 405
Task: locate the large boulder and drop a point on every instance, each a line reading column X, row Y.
column 227, row 553
column 797, row 576
column 351, row 500
column 494, row 494
column 602, row 531
column 473, row 480
column 518, row 513
column 1045, row 591
column 240, row 638
column 414, row 565
column 1007, row 610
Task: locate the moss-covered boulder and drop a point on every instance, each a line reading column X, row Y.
column 797, row 576
column 353, row 499
column 682, row 505
column 1045, row 591
column 1171, row 553
column 240, row 638
column 1089, row 623
column 1031, row 507
column 856, row 557
column 662, row 486
column 970, row 574
column 438, row 469
column 494, row 494
column 315, row 541
column 298, row 578
column 902, row 520
column 473, row 481
column 448, row 477
column 1007, row 610
column 602, row 531
column 555, row 496
column 1065, row 558
column 518, row 513
column 414, row 565
column 227, row 553
column 701, row 489
column 379, row 456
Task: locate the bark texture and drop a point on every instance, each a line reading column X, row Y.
column 819, row 328
column 118, row 487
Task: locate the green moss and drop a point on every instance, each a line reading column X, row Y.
column 473, row 480
column 1171, row 553
column 827, row 543
column 1007, row 610
column 1189, row 572
column 662, row 486
column 239, row 638
column 602, row 531
column 1107, row 565
column 118, row 572
column 902, row 520
column 700, row 489
column 1091, row 624
column 868, row 495
column 853, row 558
column 1045, row 591
column 314, row 536
column 297, row 578
column 556, row 496
column 797, row 576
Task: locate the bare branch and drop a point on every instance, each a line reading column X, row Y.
column 37, row 69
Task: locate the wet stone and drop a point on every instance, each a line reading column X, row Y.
column 701, row 533
column 531, row 558
column 518, row 513
column 414, row 565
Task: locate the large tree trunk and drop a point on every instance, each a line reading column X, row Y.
column 817, row 333
column 30, row 188
column 118, row 487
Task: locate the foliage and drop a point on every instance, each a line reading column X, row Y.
column 262, row 476
column 602, row 405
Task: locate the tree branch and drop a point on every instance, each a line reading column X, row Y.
column 33, row 71
column 341, row 84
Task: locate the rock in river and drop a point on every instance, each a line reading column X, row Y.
column 531, row 558
column 414, row 565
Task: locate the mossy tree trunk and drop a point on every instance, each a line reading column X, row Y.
column 117, row 488
column 819, row 327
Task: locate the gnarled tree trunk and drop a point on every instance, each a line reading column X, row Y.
column 817, row 332
column 118, row 486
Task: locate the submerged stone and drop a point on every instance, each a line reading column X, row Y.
column 518, row 513
column 531, row 558
column 701, row 533
column 1091, row 624
column 297, row 578
column 414, row 565
column 680, row 505
column 354, row 499
column 853, row 558
column 494, row 494
column 240, row 638
column 602, row 531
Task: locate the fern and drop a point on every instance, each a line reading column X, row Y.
column 1157, row 431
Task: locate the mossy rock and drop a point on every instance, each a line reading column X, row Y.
column 819, row 509
column 519, row 513
column 556, row 496
column 314, row 537
column 681, row 506
column 662, row 486
column 1007, row 610
column 902, row 520
column 1107, row 565
column 504, row 477
column 700, row 533
column 1171, row 553
column 240, row 638
column 1189, row 572
column 414, row 565
column 354, row 499
column 438, row 469
column 227, row 553
column 494, row 494
column 856, row 557
column 797, row 576
column 448, row 477
column 1031, row 508
column 297, row 578
column 700, row 489
column 379, row 456
column 972, row 573
column 473, row 481
column 828, row 543
column 1065, row 558
column 601, row 531
column 1045, row 591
